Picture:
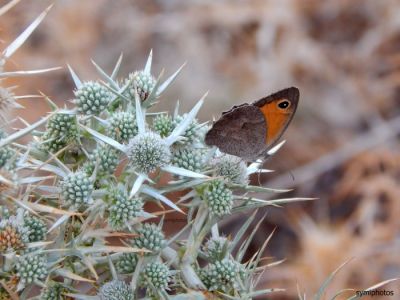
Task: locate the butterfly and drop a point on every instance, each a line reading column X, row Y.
column 251, row 130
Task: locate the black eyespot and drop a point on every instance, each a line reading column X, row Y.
column 284, row 104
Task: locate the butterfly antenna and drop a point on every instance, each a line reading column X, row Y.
column 291, row 175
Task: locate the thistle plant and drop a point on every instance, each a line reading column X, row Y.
column 75, row 211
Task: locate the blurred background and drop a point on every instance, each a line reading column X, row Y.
column 342, row 146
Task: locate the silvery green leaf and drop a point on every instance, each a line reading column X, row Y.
column 107, row 78
column 29, row 180
column 259, row 189
column 39, row 165
column 257, row 293
column 275, row 149
column 151, row 99
column 10, row 50
column 167, row 82
column 140, row 119
column 255, row 167
column 180, row 129
column 82, row 297
column 22, row 132
column 183, row 172
column 137, row 185
column 75, row 78
column 6, row 7
column 147, row 67
column 325, row 284
column 105, row 139
column 27, row 73
column 243, row 248
column 154, row 193
column 109, row 249
column 57, row 223
column 242, row 231
column 117, row 66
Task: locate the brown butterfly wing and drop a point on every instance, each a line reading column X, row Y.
column 278, row 119
column 240, row 132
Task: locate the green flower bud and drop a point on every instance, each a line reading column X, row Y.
column 122, row 209
column 156, row 274
column 31, row 268
column 162, row 124
column 143, row 83
column 150, row 237
column 122, row 126
column 115, row 290
column 218, row 197
column 76, row 190
column 92, row 98
column 126, row 263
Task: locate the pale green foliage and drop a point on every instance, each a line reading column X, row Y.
column 81, row 215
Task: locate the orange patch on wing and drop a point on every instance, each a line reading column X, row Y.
column 276, row 120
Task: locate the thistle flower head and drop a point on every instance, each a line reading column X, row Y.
column 52, row 143
column 147, row 152
column 156, row 274
column 122, row 209
column 232, row 168
column 218, row 197
column 36, row 229
column 150, row 237
column 141, row 82
column 76, row 189
column 92, row 98
column 54, row 292
column 126, row 263
column 192, row 159
column 163, row 125
column 11, row 239
column 192, row 133
column 7, row 103
column 216, row 248
column 122, row 126
column 62, row 125
column 6, row 153
column 107, row 159
column 31, row 268
column 222, row 276
column 115, row 290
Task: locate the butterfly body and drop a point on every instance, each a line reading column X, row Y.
column 250, row 130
